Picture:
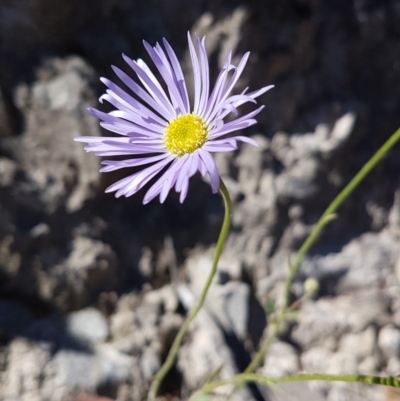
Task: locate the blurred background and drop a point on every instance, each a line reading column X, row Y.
column 93, row 289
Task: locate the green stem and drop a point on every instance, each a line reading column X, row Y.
column 244, row 378
column 165, row 368
column 325, row 219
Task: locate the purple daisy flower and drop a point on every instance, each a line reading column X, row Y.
column 161, row 131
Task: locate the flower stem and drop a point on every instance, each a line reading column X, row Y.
column 244, row 378
column 165, row 368
column 324, row 220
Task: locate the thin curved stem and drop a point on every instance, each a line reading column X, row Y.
column 165, row 368
column 244, row 378
column 324, row 220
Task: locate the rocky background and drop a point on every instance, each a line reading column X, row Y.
column 93, row 289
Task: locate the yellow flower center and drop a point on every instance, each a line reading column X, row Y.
column 185, row 134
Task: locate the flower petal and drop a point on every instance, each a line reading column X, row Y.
column 179, row 75
column 235, row 125
column 165, row 69
column 196, row 74
column 222, row 146
column 138, row 180
column 218, row 87
column 139, row 91
column 152, row 85
column 212, row 170
column 205, row 75
column 112, row 165
column 164, row 184
column 227, row 90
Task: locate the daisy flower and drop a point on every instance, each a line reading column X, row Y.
column 160, row 130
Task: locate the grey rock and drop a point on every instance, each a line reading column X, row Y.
column 150, row 363
column 364, row 262
column 57, row 171
column 229, row 304
column 72, row 282
column 87, row 325
column 206, row 353
column 164, row 297
column 317, row 359
column 325, row 141
column 318, row 321
column 330, row 362
column 281, row 360
column 250, row 162
column 394, row 216
column 299, row 183
column 114, row 366
column 34, row 374
column 369, row 366
column 71, row 371
column 295, row 392
column 8, row 171
column 121, row 323
column 393, row 366
column 361, row 345
column 132, row 331
column 198, row 267
column 26, row 364
column 346, row 392
column 389, row 341
column 301, row 155
column 256, row 208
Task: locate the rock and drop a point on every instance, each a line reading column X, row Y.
column 87, row 325
column 332, row 318
column 364, row 262
column 345, row 391
column 361, row 345
column 295, row 392
column 34, row 373
column 301, row 156
column 250, row 162
column 323, row 361
column 315, row 360
column 393, row 366
column 256, row 208
column 389, row 341
column 85, row 397
column 205, row 353
column 88, row 270
column 165, row 297
column 73, row 371
column 8, row 171
column 198, row 267
column 26, row 365
column 114, row 366
column 56, row 171
column 132, row 330
column 369, row 366
column 230, row 303
column 394, row 216
column 150, row 363
column 281, row 360
column 299, row 183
